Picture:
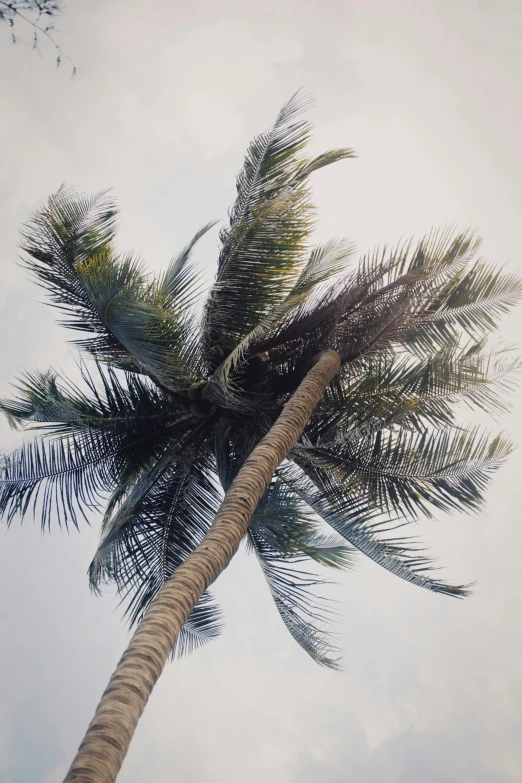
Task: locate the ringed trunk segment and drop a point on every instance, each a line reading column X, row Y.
column 107, row 740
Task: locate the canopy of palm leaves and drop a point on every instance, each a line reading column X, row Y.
column 172, row 403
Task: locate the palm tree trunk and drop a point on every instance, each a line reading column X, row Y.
column 106, row 742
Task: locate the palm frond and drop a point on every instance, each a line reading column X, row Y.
column 289, row 528
column 163, row 517
column 135, row 323
column 128, row 410
column 374, row 307
column 102, row 435
column 322, row 160
column 106, row 400
column 327, row 549
column 303, row 614
column 264, row 249
column 413, row 393
column 471, row 302
column 409, row 472
column 180, row 282
column 325, row 261
column 63, row 478
column 138, row 326
column 68, row 229
column 373, row 534
column 204, row 624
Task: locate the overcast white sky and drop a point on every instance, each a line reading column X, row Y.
column 167, row 97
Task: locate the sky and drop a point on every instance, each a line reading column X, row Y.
column 166, row 98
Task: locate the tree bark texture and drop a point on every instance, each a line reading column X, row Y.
column 106, row 742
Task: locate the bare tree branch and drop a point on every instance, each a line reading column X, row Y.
column 31, row 12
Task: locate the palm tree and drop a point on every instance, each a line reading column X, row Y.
column 322, row 397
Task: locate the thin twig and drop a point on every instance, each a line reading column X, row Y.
column 13, row 11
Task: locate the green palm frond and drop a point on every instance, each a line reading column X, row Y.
column 303, row 613
column 106, row 400
column 408, row 472
column 139, row 331
column 180, row 282
column 155, row 525
column 265, row 247
column 63, row 236
column 63, row 478
column 325, row 262
column 68, row 229
column 414, row 393
column 127, row 409
column 164, row 515
column 328, row 549
column 96, row 438
column 374, row 307
column 139, row 324
column 204, row 624
column 290, row 528
column 373, row 534
column 470, row 302
column 320, row 161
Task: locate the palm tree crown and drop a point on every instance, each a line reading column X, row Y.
column 172, row 404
